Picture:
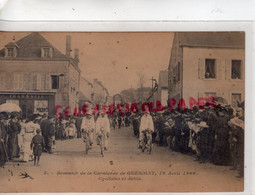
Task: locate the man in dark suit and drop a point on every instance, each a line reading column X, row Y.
column 3, row 139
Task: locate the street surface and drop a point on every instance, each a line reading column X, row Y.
column 123, row 169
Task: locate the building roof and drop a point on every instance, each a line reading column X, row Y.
column 163, row 79
column 11, row 44
column 213, row 39
column 30, row 47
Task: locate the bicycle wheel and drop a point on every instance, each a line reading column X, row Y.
column 144, row 144
column 87, row 146
column 101, row 147
column 86, row 140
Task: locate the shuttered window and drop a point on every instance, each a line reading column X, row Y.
column 210, row 69
column 18, row 81
column 236, row 69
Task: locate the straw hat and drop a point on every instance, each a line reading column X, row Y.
column 236, row 122
column 203, row 124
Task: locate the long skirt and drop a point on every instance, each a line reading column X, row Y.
column 3, row 153
column 26, row 152
column 13, row 145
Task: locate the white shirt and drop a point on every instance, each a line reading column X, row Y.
column 146, row 123
column 103, row 123
column 88, row 124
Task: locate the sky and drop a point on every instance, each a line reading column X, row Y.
column 115, row 59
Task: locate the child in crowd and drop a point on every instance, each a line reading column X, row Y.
column 37, row 145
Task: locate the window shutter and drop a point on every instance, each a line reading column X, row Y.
column 201, row 68
column 51, row 52
column 15, row 82
column 15, row 52
column 227, row 69
column 21, row 81
column 219, row 69
column 61, row 82
column 38, row 82
column 48, row 82
column 43, row 82
column 42, row 52
column 34, row 82
column 25, row 84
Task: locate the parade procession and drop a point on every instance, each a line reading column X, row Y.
column 87, row 107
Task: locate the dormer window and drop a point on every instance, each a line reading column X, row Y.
column 46, row 52
column 11, row 50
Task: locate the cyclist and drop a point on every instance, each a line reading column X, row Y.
column 146, row 124
column 88, row 126
column 103, row 126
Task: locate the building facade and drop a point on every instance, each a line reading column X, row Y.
column 162, row 92
column 207, row 64
column 37, row 76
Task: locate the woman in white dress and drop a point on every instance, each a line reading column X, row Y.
column 28, row 132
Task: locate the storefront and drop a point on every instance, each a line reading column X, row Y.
column 31, row 102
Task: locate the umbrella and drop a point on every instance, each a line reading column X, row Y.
column 9, row 107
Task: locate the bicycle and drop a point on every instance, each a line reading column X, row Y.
column 101, row 139
column 147, row 141
column 86, row 140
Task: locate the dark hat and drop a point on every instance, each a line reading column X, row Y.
column 32, row 117
column 52, row 116
column 44, row 115
column 14, row 114
column 4, row 115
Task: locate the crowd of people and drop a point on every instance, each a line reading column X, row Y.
column 20, row 138
column 211, row 133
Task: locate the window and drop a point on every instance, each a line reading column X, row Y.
column 18, row 81
column 210, row 69
column 41, row 106
column 37, row 82
column 10, row 52
column 54, row 82
column 236, row 97
column 210, row 94
column 46, row 52
column 236, row 69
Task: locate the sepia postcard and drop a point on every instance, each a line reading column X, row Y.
column 122, row 111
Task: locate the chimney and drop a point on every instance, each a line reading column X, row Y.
column 76, row 54
column 68, row 46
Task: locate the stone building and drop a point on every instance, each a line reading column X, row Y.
column 204, row 64
column 37, row 76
